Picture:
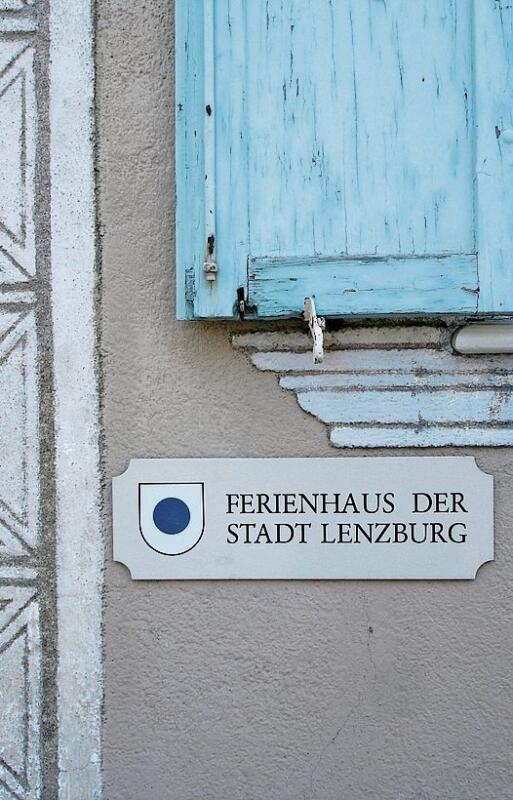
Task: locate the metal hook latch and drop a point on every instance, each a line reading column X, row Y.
column 317, row 326
column 210, row 269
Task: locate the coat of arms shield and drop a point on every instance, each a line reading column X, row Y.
column 171, row 516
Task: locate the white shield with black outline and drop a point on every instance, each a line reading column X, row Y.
column 171, row 516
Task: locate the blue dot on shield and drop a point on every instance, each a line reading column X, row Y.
column 171, row 515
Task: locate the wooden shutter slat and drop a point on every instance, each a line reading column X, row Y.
column 424, row 285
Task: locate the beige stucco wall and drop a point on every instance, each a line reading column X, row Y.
column 262, row 690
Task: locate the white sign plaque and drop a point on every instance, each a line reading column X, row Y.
column 303, row 518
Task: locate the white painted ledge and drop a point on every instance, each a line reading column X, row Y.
column 393, row 386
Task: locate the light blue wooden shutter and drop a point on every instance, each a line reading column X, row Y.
column 360, row 151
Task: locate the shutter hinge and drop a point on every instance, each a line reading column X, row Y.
column 242, row 306
column 241, row 302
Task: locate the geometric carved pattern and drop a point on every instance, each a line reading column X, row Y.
column 392, row 386
column 20, row 645
column 19, row 689
column 15, row 5
column 17, row 162
column 18, row 434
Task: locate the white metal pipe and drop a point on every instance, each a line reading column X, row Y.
column 484, row 337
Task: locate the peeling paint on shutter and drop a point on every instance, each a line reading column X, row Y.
column 355, row 152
